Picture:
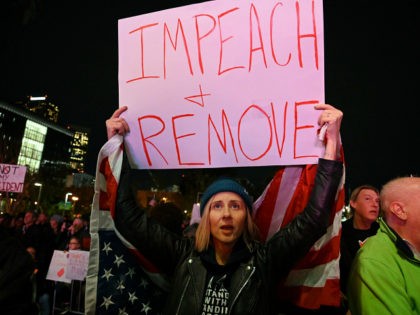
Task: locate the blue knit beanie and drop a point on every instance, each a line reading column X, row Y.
column 223, row 185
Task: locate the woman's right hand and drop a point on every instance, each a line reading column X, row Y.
column 116, row 124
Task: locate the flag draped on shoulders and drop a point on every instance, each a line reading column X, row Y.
column 122, row 281
column 119, row 279
column 315, row 280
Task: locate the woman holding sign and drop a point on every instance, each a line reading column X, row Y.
column 225, row 269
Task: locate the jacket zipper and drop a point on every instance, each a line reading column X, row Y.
column 182, row 295
column 242, row 287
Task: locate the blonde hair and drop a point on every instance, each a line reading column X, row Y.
column 203, row 233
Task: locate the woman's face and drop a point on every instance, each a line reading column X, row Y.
column 227, row 218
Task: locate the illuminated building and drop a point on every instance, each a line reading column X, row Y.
column 79, row 147
column 27, row 139
column 42, row 107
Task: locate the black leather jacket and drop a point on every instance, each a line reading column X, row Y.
column 253, row 283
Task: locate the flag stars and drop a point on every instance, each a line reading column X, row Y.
column 146, row 308
column 121, row 311
column 121, row 286
column 107, row 302
column 107, row 274
column 107, row 248
column 132, row 297
column 119, row 260
column 130, row 273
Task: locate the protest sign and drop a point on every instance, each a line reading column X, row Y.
column 77, row 264
column 12, row 177
column 58, row 267
column 68, row 265
column 223, row 84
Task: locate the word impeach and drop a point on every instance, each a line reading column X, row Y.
column 12, row 177
column 196, row 44
column 223, row 83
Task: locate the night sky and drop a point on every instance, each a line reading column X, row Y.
column 68, row 50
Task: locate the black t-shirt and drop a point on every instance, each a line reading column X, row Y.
column 218, row 281
column 351, row 240
column 216, row 296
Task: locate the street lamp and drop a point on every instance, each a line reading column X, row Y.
column 74, row 199
column 39, row 192
column 67, row 198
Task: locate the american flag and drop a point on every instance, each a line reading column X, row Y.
column 315, row 280
column 122, row 281
column 119, row 279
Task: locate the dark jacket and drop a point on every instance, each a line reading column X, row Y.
column 351, row 241
column 253, row 282
column 17, row 286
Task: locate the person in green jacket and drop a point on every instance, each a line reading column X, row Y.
column 385, row 275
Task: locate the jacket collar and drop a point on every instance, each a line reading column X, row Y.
column 399, row 242
column 239, row 254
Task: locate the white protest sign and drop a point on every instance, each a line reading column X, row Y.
column 12, row 177
column 223, row 84
column 58, row 267
column 77, row 264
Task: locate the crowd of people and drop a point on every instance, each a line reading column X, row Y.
column 222, row 256
column 40, row 235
